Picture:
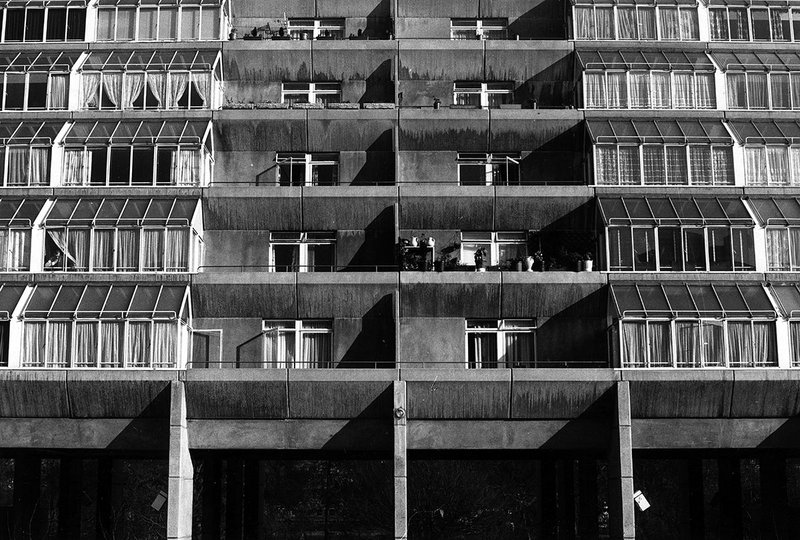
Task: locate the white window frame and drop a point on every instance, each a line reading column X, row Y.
column 615, row 20
column 313, row 92
column 5, row 250
column 491, row 161
column 502, row 328
column 145, row 89
column 316, row 30
column 178, row 9
column 302, row 240
column 46, row 19
column 298, row 328
column 484, row 90
column 794, row 16
column 652, row 84
column 29, row 148
column 26, row 91
column 309, row 162
column 495, row 241
column 481, row 28
column 794, row 175
column 794, row 265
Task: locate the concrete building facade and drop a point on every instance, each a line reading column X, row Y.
column 399, row 269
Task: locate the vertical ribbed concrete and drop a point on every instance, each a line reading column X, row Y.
column 400, row 462
column 181, row 472
column 620, row 469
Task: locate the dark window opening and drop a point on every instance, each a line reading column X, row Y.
column 37, row 91
column 76, row 24
column 4, row 343
column 98, row 164
column 120, row 166
column 15, row 24
column 56, row 24
column 34, row 25
column 164, row 166
column 15, row 91
column 143, row 166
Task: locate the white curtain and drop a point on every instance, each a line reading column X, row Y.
column 18, row 249
column 18, row 160
column 90, row 84
column 202, row 84
column 757, row 91
column 138, row 345
column 755, row 161
column 617, row 90
column 794, row 330
column 67, row 259
column 605, row 22
column 103, row 250
column 677, row 172
column 653, row 160
column 722, row 163
column 177, row 252
column 75, row 170
column 57, row 98
column 152, row 249
column 188, row 169
column 40, row 166
column 606, row 166
column 132, row 89
column 794, row 159
column 626, row 22
column 713, row 344
column 78, row 249
column 794, row 260
column 629, row 171
column 740, row 344
column 106, row 22
column 660, row 344
column 86, row 344
column 33, row 344
column 719, row 24
column 670, row 24
column 776, row 16
column 737, row 90
column 279, row 348
column 595, row 90
column 316, row 350
column 796, row 86
column 706, row 95
column 165, row 341
column 779, row 87
column 584, row 22
column 127, row 250
column 662, row 98
column 778, row 163
column 640, row 90
column 647, row 22
column 112, row 84
column 519, row 350
column 157, row 82
column 482, row 350
column 634, row 344
column 683, row 90
column 58, row 340
column 689, row 343
column 690, row 29
column 110, row 344
column 700, row 163
column 177, row 87
column 778, row 250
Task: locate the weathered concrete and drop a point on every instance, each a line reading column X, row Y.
column 400, row 462
column 620, row 468
column 181, row 471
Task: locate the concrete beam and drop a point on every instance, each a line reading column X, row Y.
column 90, row 434
column 702, row 433
column 400, row 463
column 181, row 471
column 620, row 469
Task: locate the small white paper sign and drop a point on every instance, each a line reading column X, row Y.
column 159, row 501
column 641, row 500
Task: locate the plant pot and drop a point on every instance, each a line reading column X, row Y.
column 529, row 263
column 414, row 241
column 588, row 265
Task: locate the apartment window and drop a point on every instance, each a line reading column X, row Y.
column 461, row 29
column 304, row 344
column 649, row 90
column 658, row 164
column 496, row 169
column 32, row 91
column 680, row 249
column 783, row 249
column 302, row 251
column 772, row 165
column 501, row 343
column 25, row 165
column 316, row 28
column 794, row 336
column 763, row 90
column 159, row 23
column 484, row 95
column 15, row 249
column 609, row 22
column 754, row 23
column 307, row 169
column 501, row 247
column 145, row 90
column 44, row 24
column 292, row 92
column 119, row 165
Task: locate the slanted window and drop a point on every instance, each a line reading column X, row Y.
column 495, row 169
column 159, row 23
column 295, row 92
column 307, row 169
column 302, row 251
column 509, row 343
column 316, row 28
column 780, row 218
column 298, row 344
column 462, row 29
column 621, row 22
column 105, row 326
column 483, row 95
column 501, row 248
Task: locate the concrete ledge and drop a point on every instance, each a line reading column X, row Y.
column 236, row 374
column 761, row 433
column 34, row 393
column 245, row 278
column 354, row 435
column 518, row 435
column 108, row 434
column 683, row 277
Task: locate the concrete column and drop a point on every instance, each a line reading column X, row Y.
column 620, row 468
column 400, row 462
column 181, row 471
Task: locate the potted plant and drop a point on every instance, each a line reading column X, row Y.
column 480, row 258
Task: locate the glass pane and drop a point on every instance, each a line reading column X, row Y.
column 76, row 24
column 315, row 351
column 15, row 24
column 143, row 166
column 472, row 175
column 120, row 166
column 168, row 23
column 286, row 257
column 103, row 250
column 324, row 175
column 59, row 344
column 148, row 23
column 152, row 249
column 694, row 249
column 620, row 250
column 321, row 258
column 738, row 24
column 713, row 344
column 481, row 350
column 190, row 23
column 34, row 25
column 86, row 343
column 689, row 343
column 660, row 344
column 676, row 165
column 56, row 24
column 210, row 24
column 126, row 24
column 629, row 171
column 111, row 340
column 761, row 24
column 644, row 249
column 519, row 350
column 138, row 347
column 634, row 344
column 15, row 91
column 744, row 253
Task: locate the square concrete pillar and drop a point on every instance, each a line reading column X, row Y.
column 181, row 471
column 620, row 468
column 400, row 462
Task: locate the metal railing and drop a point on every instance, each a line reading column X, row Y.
column 375, row 364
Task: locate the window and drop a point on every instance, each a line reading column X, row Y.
column 485, row 95
column 25, row 166
column 32, row 91
column 302, row 252
column 697, row 343
column 298, row 344
column 292, row 92
column 663, row 164
column 307, row 169
column 628, row 22
column 501, row 343
column 461, row 29
column 783, row 249
column 145, row 90
column 501, row 247
column 649, row 90
column 106, row 249
column 151, row 23
column 680, row 249
column 762, row 90
column 794, row 336
column 498, row 169
column 316, row 28
column 756, row 23
column 15, row 249
column 166, row 165
column 44, row 24
column 772, row 165
column 86, row 343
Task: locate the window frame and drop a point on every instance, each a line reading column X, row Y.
column 484, row 28
column 501, row 329
column 309, row 161
column 494, row 240
column 46, row 9
column 793, row 256
column 303, row 241
column 658, row 34
column 491, row 161
column 179, row 16
column 312, row 92
column 193, row 74
column 297, row 328
column 793, row 14
column 316, row 29
column 485, row 92
column 26, row 92
column 651, row 97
